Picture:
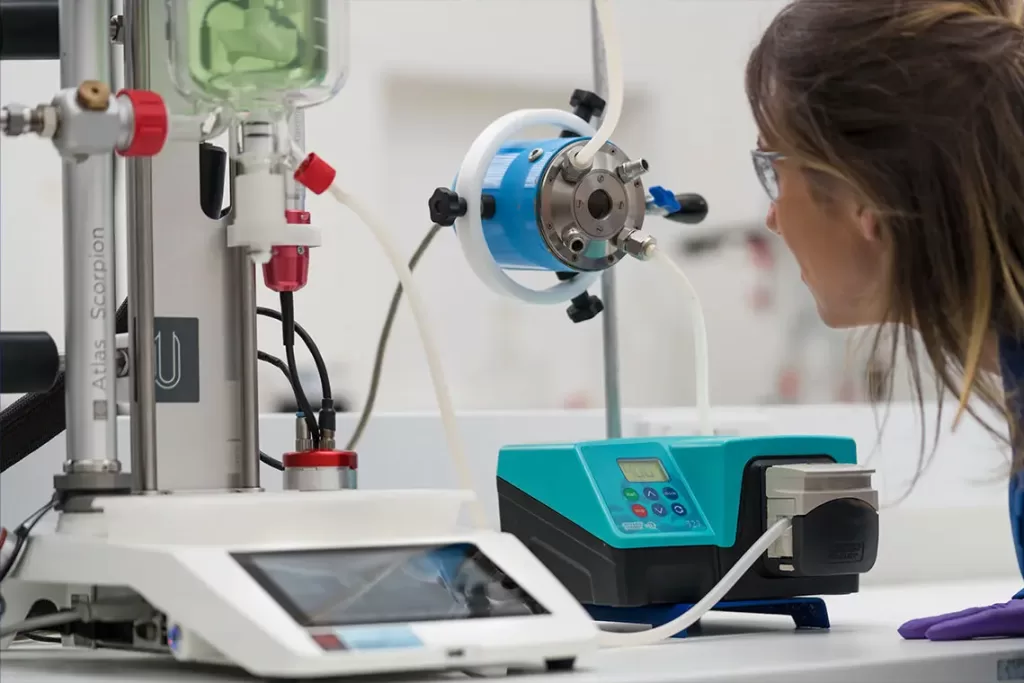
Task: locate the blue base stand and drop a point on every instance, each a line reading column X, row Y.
column 806, row 612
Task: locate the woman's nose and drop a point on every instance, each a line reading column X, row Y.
column 771, row 221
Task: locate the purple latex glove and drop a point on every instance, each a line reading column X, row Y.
column 1005, row 620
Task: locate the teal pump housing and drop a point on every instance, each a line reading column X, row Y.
column 633, row 522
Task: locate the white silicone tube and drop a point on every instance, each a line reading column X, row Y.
column 445, row 405
column 700, row 341
column 616, row 85
column 469, row 186
column 714, row 596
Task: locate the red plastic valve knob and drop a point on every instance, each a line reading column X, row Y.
column 149, row 132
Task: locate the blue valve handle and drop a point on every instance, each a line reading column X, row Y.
column 664, row 199
column 690, row 209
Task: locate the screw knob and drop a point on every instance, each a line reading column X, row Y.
column 445, row 206
column 584, row 308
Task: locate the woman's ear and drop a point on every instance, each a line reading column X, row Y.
column 867, row 221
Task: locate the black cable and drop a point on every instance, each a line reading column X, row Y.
column 272, row 462
column 314, row 351
column 288, row 338
column 382, row 343
column 22, row 534
column 265, row 357
column 38, row 638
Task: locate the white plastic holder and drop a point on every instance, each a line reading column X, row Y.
column 469, row 185
column 259, row 222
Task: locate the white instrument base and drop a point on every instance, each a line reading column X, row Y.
column 277, row 583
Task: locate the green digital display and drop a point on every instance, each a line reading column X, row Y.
column 643, row 471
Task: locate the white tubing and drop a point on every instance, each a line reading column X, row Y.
column 419, row 312
column 700, row 342
column 469, row 186
column 714, row 596
column 616, row 87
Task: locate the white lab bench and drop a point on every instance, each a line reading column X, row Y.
column 862, row 646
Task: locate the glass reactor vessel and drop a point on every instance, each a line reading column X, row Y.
column 259, row 57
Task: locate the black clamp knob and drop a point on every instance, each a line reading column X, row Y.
column 583, row 307
column 446, row 205
column 586, row 105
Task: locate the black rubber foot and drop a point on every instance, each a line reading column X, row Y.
column 560, row 664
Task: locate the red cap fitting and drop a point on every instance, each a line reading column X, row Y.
column 150, row 123
column 315, row 174
column 321, row 459
column 288, row 267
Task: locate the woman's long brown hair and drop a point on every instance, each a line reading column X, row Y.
column 918, row 107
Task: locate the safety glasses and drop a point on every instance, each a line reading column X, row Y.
column 764, row 166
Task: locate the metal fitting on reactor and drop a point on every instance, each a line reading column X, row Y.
column 525, row 206
column 91, row 120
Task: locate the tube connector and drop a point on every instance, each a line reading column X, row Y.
column 572, row 170
column 631, row 170
column 575, row 240
column 303, row 440
column 637, row 244
column 17, row 119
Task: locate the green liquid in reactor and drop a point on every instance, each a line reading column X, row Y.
column 255, row 53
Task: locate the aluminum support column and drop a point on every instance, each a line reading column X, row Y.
column 90, row 298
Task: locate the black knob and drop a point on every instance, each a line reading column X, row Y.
column 445, row 206
column 693, row 209
column 584, row 307
column 586, row 104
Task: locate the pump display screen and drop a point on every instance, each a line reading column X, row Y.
column 342, row 587
column 643, row 471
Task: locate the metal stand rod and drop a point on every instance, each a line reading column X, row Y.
column 141, row 300
column 609, row 318
column 249, row 385
column 90, row 298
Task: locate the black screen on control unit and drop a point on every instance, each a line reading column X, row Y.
column 340, row 587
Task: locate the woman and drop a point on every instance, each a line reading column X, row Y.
column 892, row 147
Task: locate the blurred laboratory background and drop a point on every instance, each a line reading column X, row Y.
column 427, row 76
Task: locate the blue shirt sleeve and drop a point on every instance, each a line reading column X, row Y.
column 1017, row 519
column 1011, row 358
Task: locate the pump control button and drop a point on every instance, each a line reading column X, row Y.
column 630, row 494
column 670, row 493
column 678, row 509
column 639, row 510
column 659, row 509
column 650, row 494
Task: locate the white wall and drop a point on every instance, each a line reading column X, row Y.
column 426, row 78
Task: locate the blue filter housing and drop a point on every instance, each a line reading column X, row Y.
column 513, row 234
column 634, row 522
column 546, row 218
